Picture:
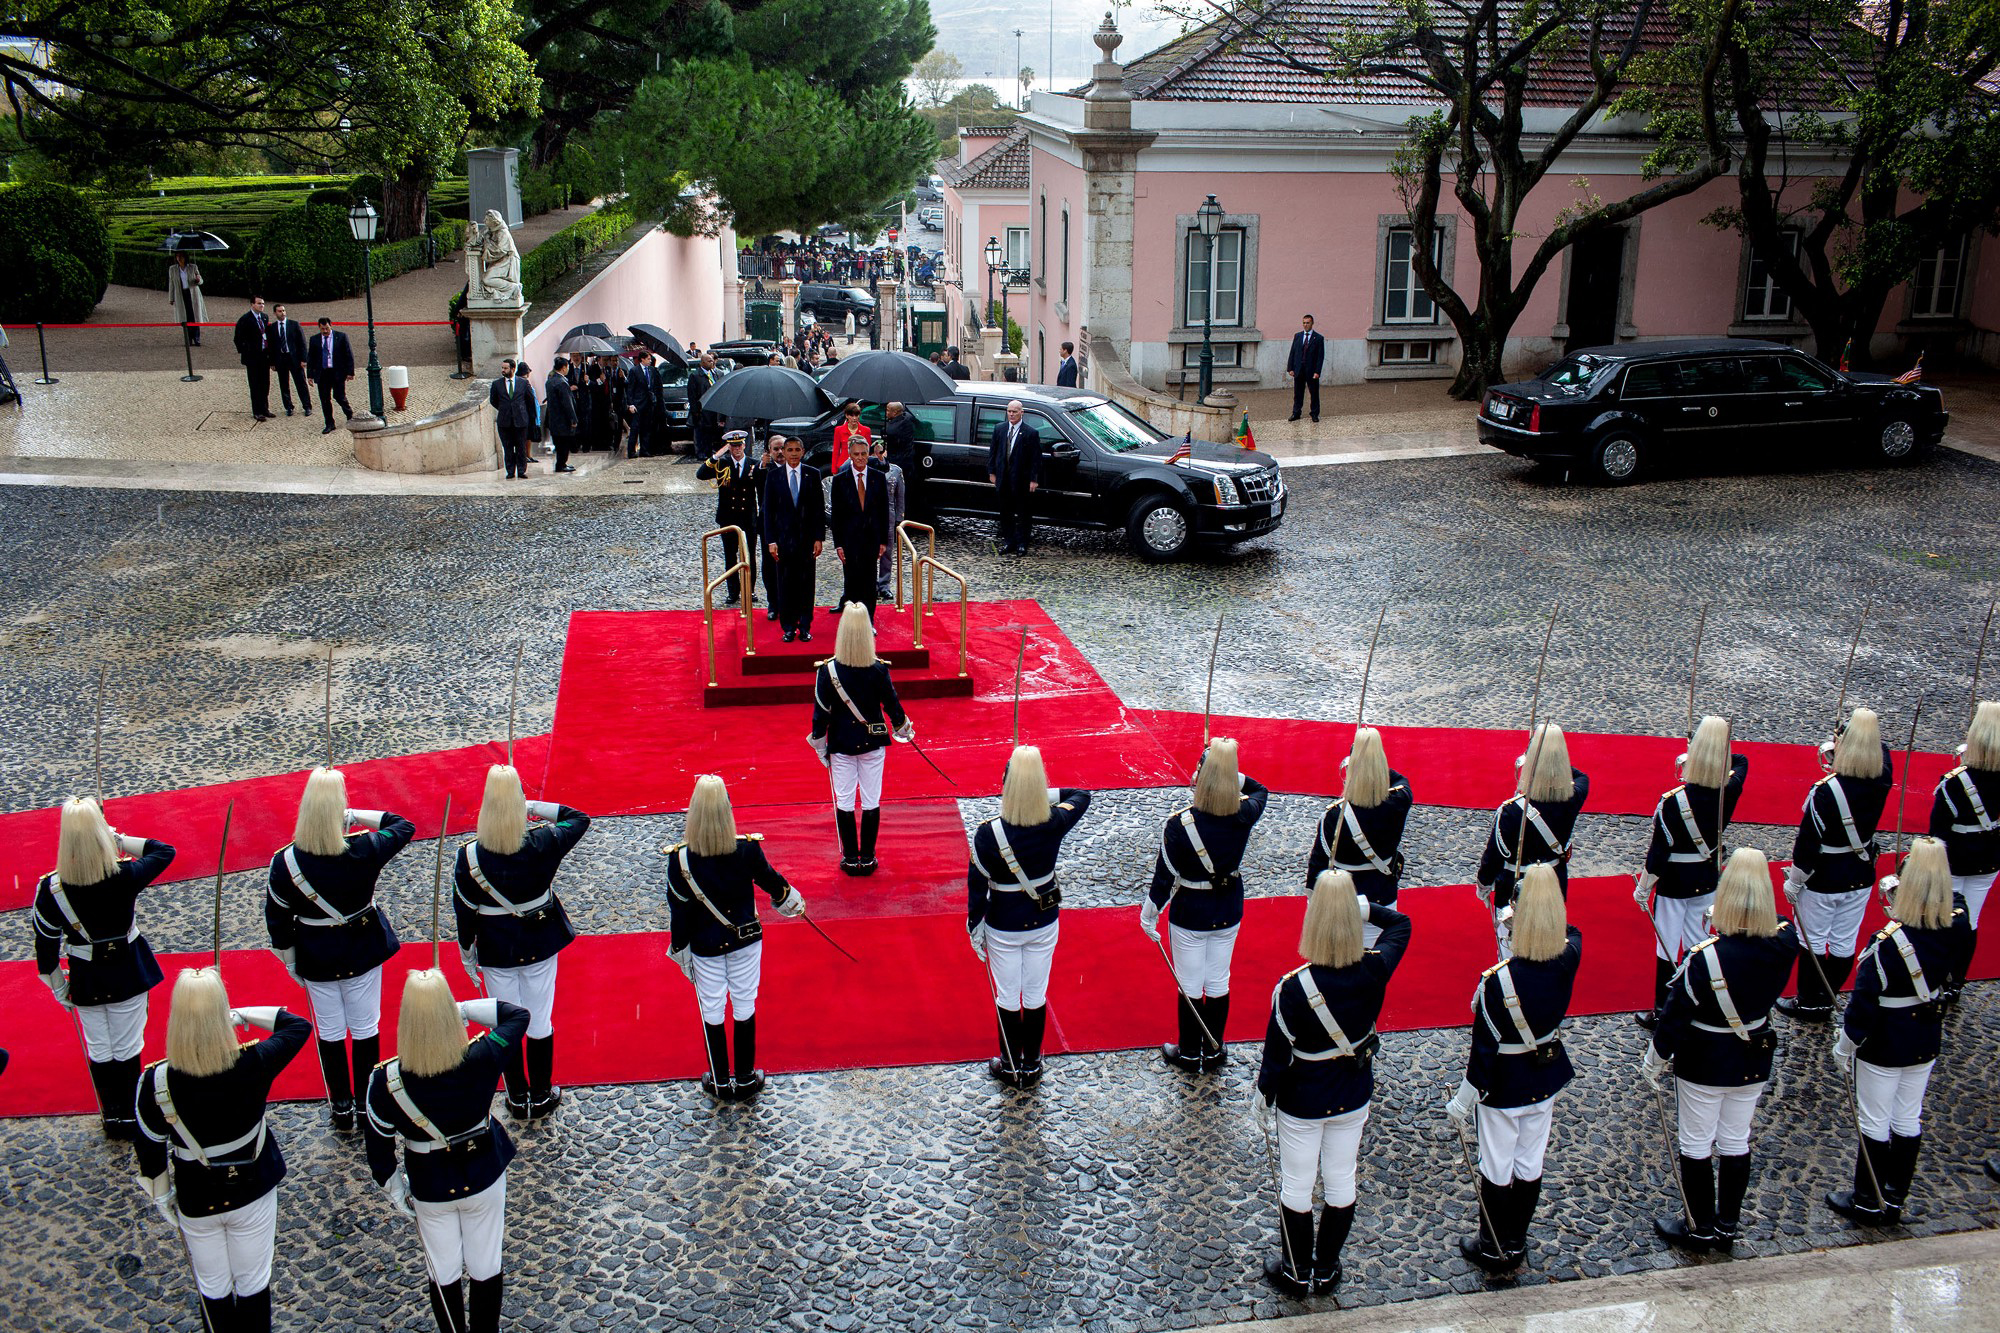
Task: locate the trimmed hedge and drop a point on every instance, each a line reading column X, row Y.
column 61, row 252
column 186, row 185
column 568, row 248
column 540, row 193
column 307, row 253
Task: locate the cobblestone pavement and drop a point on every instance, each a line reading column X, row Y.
column 1119, row 1196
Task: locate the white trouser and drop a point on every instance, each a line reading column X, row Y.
column 1679, row 922
column 1974, row 889
column 732, row 977
column 858, row 772
column 1326, row 1148
column 532, row 988
column 350, row 1008
column 1370, row 932
column 1890, row 1099
column 1830, row 923
column 1715, row 1120
column 114, row 1031
column 464, row 1236
column 231, row 1251
column 1503, row 934
column 1020, row 960
column 1201, row 960
column 1512, row 1140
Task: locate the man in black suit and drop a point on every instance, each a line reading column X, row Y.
column 1066, row 369
column 1014, row 466
column 514, row 401
column 1307, row 356
column 953, row 367
column 860, row 522
column 899, row 443
column 642, row 388
column 253, row 349
column 794, row 535
column 559, row 412
column 700, row 380
column 288, row 358
column 737, row 482
column 330, row 361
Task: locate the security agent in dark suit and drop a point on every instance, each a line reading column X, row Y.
column 953, row 367
column 736, row 486
column 562, row 419
column 1066, row 369
column 860, row 522
column 331, row 362
column 642, row 396
column 904, row 450
column 794, row 535
column 513, row 398
column 253, row 349
column 1303, row 364
column 287, row 350
column 700, row 380
column 1014, row 466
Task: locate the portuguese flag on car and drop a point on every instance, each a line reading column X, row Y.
column 1244, row 439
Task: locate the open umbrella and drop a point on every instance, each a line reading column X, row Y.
column 887, row 377
column 586, row 344
column 765, row 393
column 203, row 242
column 662, row 342
column 592, row 330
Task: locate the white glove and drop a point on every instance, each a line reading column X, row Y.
column 159, row 1192
column 793, row 903
column 130, row 845
column 1842, row 1053
column 1642, row 889
column 1361, row 901
column 1795, row 880
column 1888, row 886
column 1459, row 1106
column 1260, row 1110
column 469, row 958
column 485, row 1012
column 1055, row 797
column 290, row 958
column 683, row 958
column 1485, row 892
column 819, row 747
column 976, row 937
column 544, row 810
column 261, row 1016
column 1149, row 920
column 1653, row 1067
column 58, row 983
column 368, row 819
column 398, row 1190
column 906, row 732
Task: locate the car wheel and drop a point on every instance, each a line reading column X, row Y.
column 1896, row 440
column 1158, row 527
column 1616, row 459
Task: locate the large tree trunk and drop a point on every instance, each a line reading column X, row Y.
column 406, row 201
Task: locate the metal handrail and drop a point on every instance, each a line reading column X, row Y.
column 933, row 567
column 902, row 540
column 708, row 613
column 746, row 553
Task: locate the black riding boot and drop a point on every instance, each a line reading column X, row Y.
column 543, row 1094
column 1837, row 969
column 220, row 1312
column 1334, row 1224
column 1488, row 1249
column 716, row 1081
column 104, row 1079
column 448, row 1305
column 339, row 1085
column 1732, row 1179
column 486, row 1293
column 1814, row 1003
column 1215, row 1010
column 871, row 824
column 366, row 1054
column 1663, row 975
column 1696, row 1230
column 1185, row 1053
column 253, row 1312
column 1527, row 1193
column 1903, row 1151
column 748, row 1080
column 1033, row 1023
column 1291, row 1268
column 121, row 1082
column 850, row 842
column 1861, row 1204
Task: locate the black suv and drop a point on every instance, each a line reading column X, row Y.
column 1618, row 410
column 831, row 303
column 1102, row 467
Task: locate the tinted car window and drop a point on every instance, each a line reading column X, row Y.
column 1721, row 374
column 933, row 420
column 1799, row 373
column 1113, row 428
column 1576, row 371
column 989, row 417
column 1653, row 379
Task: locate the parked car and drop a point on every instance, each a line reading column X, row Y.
column 743, row 352
column 1102, row 468
column 833, row 303
column 1619, row 411
column 932, row 216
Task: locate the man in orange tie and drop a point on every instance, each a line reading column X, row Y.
column 860, row 521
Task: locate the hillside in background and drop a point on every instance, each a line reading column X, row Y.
column 981, row 33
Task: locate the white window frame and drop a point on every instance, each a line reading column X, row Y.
column 1411, row 288
column 1401, row 353
column 1200, row 288
column 1760, row 285
column 1015, row 252
column 1929, row 283
column 1228, row 356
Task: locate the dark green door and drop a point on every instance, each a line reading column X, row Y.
column 764, row 319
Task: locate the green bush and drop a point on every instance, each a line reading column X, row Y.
column 192, row 185
column 540, row 193
column 566, row 249
column 306, row 253
column 61, row 253
column 576, row 167
column 366, row 186
column 337, row 197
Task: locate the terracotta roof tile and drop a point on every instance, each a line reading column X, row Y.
column 1004, row 166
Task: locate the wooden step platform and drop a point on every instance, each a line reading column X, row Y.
column 781, row 672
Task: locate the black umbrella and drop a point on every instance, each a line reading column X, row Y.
column 765, row 393
column 203, row 242
column 586, row 344
column 662, row 342
column 887, row 377
column 592, row 331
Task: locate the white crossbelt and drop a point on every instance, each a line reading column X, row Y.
column 506, row 908
column 1360, row 841
column 1504, row 976
column 1342, row 1047
column 1854, row 842
column 1718, row 986
column 833, row 676
column 86, row 947
column 1023, row 882
column 1556, row 846
column 1702, row 851
column 1983, row 822
column 1195, row 844
column 334, row 916
column 191, row 1149
column 1924, row 995
column 741, row 929
column 436, row 1140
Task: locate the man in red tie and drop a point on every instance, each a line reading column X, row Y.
column 860, row 521
column 253, row 349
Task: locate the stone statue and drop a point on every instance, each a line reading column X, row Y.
column 492, row 264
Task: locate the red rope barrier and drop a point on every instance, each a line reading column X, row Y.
column 338, row 323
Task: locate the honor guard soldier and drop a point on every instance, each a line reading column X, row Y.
column 1552, row 795
column 511, row 925
column 1894, row 1029
column 1319, row 1073
column 736, row 485
column 1199, row 871
column 1012, row 899
column 1362, row 832
column 1716, row 1029
column 1677, row 885
column 716, row 939
column 1516, row 1068
column 436, row 1096
column 1833, row 862
column 201, row 1110
column 327, row 929
column 854, row 702
column 1965, row 813
column 84, row 911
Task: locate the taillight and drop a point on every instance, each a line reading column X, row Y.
column 1535, row 418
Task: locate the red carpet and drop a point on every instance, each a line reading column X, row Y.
column 624, row 1014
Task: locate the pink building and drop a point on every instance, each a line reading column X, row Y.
column 985, row 198
column 1314, row 225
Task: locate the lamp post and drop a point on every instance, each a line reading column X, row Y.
column 362, row 220
column 994, row 253
column 1209, row 218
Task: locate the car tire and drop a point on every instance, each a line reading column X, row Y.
column 1159, row 527
column 1897, row 441
column 1617, row 459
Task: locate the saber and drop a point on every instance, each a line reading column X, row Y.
column 1535, row 699
column 329, row 705
column 1213, row 1040
column 1673, row 1154
column 437, row 880
column 1853, row 1100
column 1019, row 655
column 1208, row 698
column 70, row 1009
column 1722, row 795
column 828, row 938
column 1006, row 1047
column 221, row 857
column 912, row 743
column 1478, row 1194
column 1840, row 709
column 97, row 738
column 1903, row 800
column 514, row 698
column 1277, row 1179
column 1979, row 658
column 1694, row 666
column 1368, row 668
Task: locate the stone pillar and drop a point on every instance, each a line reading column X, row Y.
column 732, row 288
column 1110, row 150
column 1006, row 366
column 788, row 296
column 496, row 333
column 888, row 317
column 989, row 350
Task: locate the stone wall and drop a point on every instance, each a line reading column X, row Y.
column 459, row 439
column 1109, row 377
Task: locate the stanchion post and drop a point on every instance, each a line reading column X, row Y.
column 43, row 343
column 187, row 350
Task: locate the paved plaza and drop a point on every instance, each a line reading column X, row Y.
column 1120, row 1195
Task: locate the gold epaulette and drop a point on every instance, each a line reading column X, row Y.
column 750, row 837
column 1289, row 975
column 1491, row 970
column 1703, row 945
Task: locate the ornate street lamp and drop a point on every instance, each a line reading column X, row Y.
column 362, row 220
column 994, row 254
column 1209, row 218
